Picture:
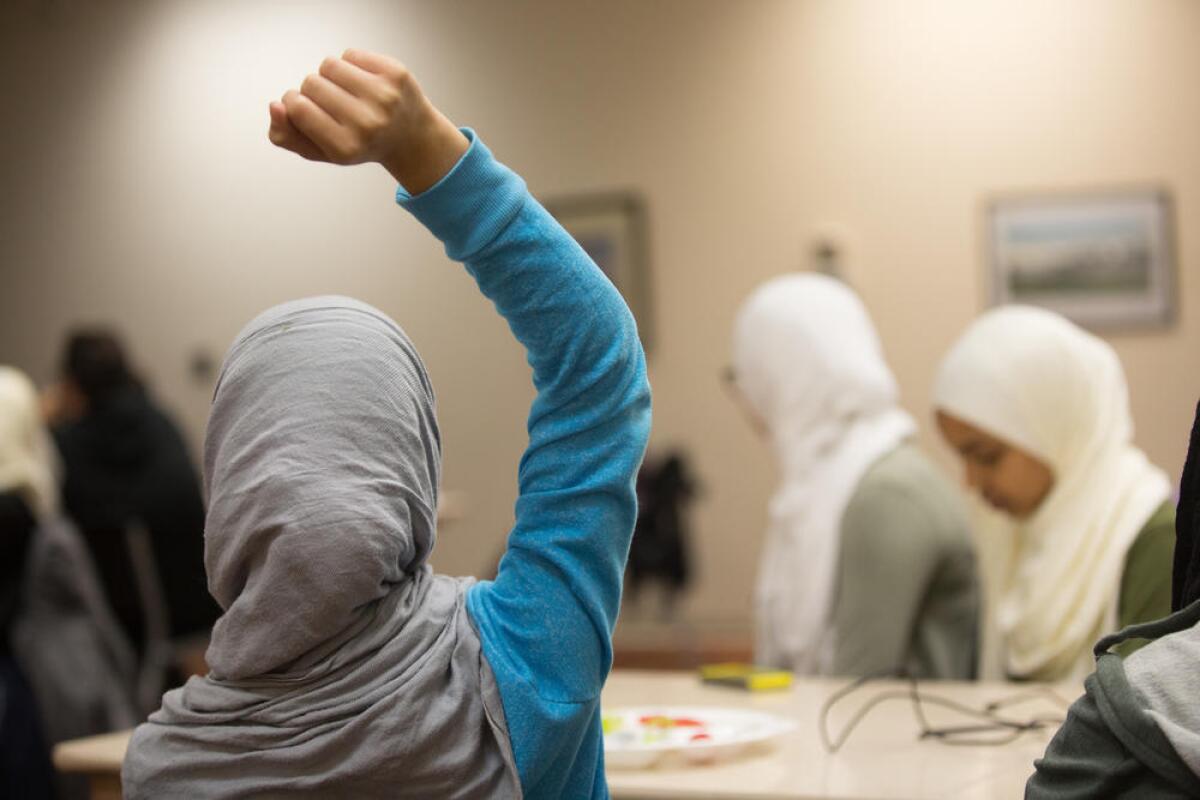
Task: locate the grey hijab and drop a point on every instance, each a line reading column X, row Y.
column 342, row 665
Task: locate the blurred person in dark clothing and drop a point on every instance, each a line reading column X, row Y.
column 66, row 671
column 24, row 757
column 128, row 479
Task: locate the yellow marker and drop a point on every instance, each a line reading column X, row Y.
column 746, row 676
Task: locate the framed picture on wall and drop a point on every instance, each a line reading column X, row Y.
column 1103, row 259
column 611, row 227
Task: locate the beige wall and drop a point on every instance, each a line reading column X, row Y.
column 138, row 186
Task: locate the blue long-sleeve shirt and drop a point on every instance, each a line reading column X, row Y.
column 546, row 621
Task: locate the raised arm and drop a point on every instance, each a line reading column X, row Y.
column 546, row 621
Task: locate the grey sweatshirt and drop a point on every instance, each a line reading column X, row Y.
column 1136, row 731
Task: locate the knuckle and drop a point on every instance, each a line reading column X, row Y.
column 372, row 121
column 367, row 121
column 345, row 148
column 389, row 96
column 299, row 112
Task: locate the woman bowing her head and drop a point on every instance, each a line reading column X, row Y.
column 1038, row 411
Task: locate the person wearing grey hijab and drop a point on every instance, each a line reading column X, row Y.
column 342, row 664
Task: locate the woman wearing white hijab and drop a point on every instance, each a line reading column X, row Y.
column 867, row 565
column 1039, row 412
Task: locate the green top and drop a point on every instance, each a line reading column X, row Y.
column 1146, row 582
column 907, row 595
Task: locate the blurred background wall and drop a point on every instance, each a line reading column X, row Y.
column 139, row 188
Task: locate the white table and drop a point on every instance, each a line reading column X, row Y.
column 882, row 760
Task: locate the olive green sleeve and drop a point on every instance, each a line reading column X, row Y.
column 1146, row 581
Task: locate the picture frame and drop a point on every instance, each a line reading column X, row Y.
column 611, row 227
column 1103, row 259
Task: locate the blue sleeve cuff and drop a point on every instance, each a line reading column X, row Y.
column 472, row 203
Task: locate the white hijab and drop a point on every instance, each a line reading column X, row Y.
column 809, row 363
column 26, row 455
column 1033, row 379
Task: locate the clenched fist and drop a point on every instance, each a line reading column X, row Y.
column 365, row 107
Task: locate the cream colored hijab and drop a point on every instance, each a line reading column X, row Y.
column 1051, row 582
column 808, row 361
column 26, row 455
